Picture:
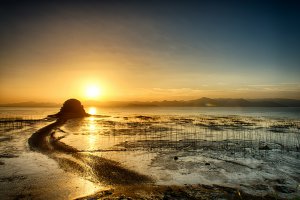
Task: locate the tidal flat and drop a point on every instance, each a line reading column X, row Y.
column 153, row 156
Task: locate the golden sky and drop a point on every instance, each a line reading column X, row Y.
column 54, row 51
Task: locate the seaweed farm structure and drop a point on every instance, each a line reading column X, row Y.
column 230, row 134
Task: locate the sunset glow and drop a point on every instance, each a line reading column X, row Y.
column 92, row 111
column 164, row 51
column 93, row 92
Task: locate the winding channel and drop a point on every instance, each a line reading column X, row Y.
column 86, row 165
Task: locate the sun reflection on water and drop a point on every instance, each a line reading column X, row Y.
column 92, row 139
column 92, row 127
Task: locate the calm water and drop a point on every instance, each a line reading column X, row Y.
column 28, row 112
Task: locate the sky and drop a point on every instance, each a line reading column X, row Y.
column 149, row 50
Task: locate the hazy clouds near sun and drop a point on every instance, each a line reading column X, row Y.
column 133, row 51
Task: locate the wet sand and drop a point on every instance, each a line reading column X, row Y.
column 92, row 167
column 121, row 182
column 26, row 174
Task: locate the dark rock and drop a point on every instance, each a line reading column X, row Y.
column 260, row 187
column 12, row 178
column 108, row 192
column 266, row 147
column 171, row 194
column 8, row 155
column 280, row 181
column 71, row 108
column 284, row 189
column 3, row 139
column 225, row 188
column 207, row 163
column 208, row 187
column 175, row 158
column 123, row 197
column 20, row 196
column 144, row 117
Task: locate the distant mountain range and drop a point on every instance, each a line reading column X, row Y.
column 202, row 102
column 208, row 102
column 30, row 104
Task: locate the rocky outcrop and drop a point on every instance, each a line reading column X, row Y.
column 72, row 108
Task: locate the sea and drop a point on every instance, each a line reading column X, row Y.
column 273, row 112
column 254, row 149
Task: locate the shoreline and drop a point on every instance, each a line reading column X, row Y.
column 121, row 182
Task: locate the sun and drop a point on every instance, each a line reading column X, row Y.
column 92, row 111
column 92, row 92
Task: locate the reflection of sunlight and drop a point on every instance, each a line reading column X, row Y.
column 92, row 110
column 92, row 127
column 91, row 124
column 83, row 187
column 92, row 139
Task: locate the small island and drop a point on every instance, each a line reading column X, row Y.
column 72, row 108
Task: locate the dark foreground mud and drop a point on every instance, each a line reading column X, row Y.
column 193, row 192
